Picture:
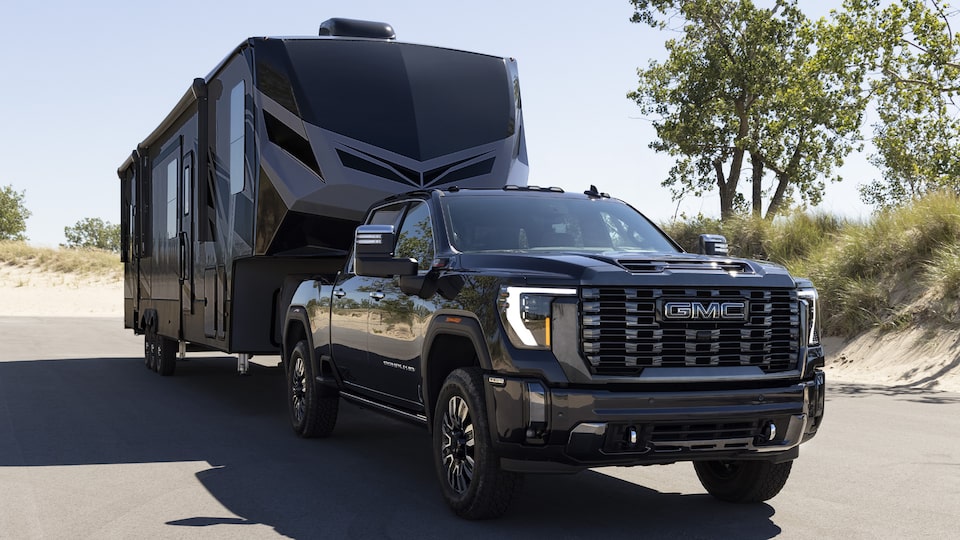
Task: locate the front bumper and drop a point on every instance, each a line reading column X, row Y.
column 541, row 429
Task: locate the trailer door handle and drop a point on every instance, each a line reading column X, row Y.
column 339, row 293
column 377, row 295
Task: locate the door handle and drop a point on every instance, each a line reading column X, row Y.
column 339, row 293
column 377, row 295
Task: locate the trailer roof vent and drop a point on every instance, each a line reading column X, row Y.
column 340, row 27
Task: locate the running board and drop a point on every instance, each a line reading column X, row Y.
column 386, row 409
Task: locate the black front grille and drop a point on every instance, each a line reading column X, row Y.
column 622, row 332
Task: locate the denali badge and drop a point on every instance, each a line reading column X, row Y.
column 704, row 311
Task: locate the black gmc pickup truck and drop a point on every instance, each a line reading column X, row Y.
column 532, row 330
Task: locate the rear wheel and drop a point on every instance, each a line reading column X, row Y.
column 313, row 410
column 743, row 481
column 166, row 355
column 150, row 349
column 468, row 468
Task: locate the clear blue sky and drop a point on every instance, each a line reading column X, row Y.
column 84, row 82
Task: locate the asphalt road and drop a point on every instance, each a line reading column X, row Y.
column 93, row 445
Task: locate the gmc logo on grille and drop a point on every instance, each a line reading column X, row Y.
column 705, row 311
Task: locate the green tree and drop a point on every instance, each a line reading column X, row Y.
column 13, row 214
column 917, row 65
column 93, row 233
column 744, row 83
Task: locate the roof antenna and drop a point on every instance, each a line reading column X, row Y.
column 595, row 193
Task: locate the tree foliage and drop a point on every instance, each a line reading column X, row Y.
column 13, row 214
column 93, row 233
column 916, row 60
column 745, row 83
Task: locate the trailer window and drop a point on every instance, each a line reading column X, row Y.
column 236, row 137
column 187, row 181
column 172, row 169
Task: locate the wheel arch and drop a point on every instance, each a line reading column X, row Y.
column 295, row 329
column 452, row 341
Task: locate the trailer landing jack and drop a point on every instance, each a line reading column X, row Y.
column 243, row 363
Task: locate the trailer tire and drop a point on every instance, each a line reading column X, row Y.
column 312, row 413
column 166, row 356
column 743, row 481
column 150, row 348
column 468, row 468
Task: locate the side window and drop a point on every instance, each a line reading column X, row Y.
column 416, row 236
column 187, row 184
column 237, row 116
column 172, row 169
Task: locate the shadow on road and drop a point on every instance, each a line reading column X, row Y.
column 372, row 478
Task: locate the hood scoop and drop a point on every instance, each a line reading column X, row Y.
column 658, row 266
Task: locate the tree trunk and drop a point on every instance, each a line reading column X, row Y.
column 757, row 179
column 727, row 193
column 776, row 202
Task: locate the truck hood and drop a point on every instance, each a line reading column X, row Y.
column 626, row 269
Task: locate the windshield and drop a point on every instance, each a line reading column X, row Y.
column 536, row 223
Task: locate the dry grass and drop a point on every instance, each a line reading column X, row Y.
column 84, row 262
column 902, row 267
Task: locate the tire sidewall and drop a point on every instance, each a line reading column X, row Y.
column 300, row 354
column 463, row 383
column 166, row 356
column 748, row 482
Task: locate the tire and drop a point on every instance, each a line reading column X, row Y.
column 468, row 468
column 150, row 349
column 166, row 356
column 743, row 481
column 313, row 413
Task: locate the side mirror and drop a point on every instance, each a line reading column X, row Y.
column 713, row 244
column 373, row 248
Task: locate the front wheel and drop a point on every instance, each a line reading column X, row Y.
column 468, row 468
column 312, row 413
column 743, row 481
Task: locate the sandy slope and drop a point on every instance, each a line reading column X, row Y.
column 919, row 358
column 26, row 292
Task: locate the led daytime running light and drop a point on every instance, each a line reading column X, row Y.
column 513, row 310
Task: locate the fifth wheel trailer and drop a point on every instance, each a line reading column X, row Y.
column 264, row 168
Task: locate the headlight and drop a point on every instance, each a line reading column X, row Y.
column 810, row 304
column 526, row 312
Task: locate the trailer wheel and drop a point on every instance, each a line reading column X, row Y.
column 743, row 481
column 471, row 480
column 313, row 413
column 150, row 348
column 166, row 356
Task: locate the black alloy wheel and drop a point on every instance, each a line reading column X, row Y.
column 313, row 410
column 468, row 467
column 458, row 444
